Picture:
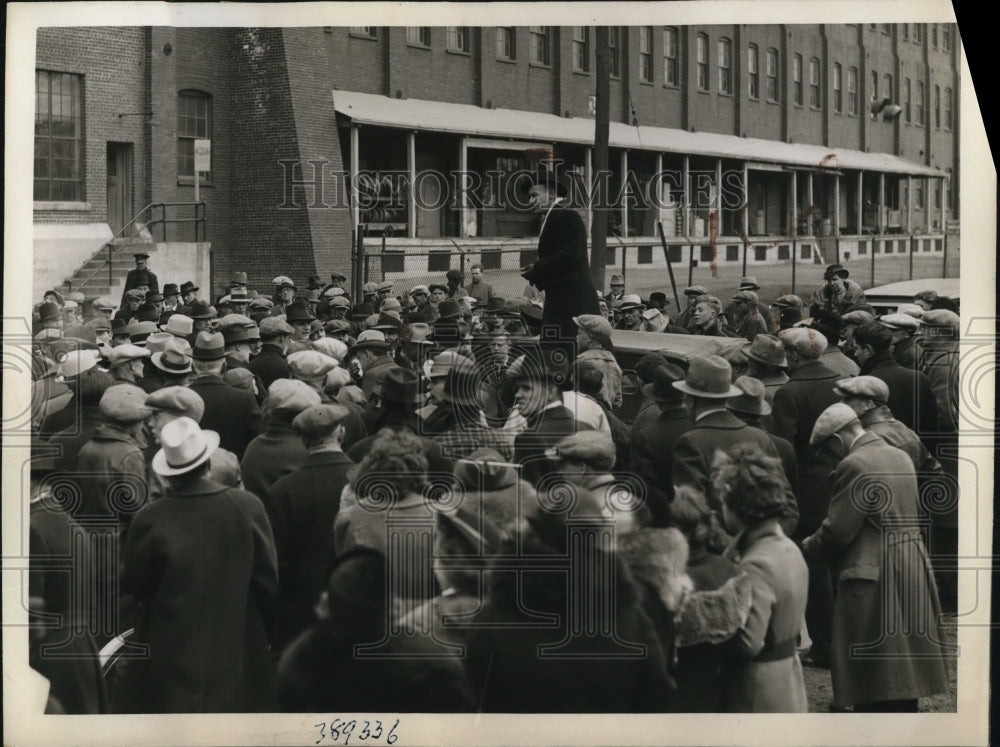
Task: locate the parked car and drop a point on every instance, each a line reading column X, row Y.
column 886, row 298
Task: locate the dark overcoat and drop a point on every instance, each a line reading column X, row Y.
column 199, row 584
column 302, row 508
column 270, row 365
column 542, row 432
column 563, row 271
column 277, row 452
column 886, row 641
column 653, row 459
column 230, row 412
column 911, row 396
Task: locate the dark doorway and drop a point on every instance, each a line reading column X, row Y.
column 119, row 185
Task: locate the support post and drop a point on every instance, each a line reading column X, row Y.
column 602, row 131
column 861, row 203
column 588, row 180
column 411, row 200
column 811, row 207
column 355, row 206
column 624, row 205
column 794, row 230
column 881, row 204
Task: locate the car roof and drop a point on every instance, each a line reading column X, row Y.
column 905, row 290
column 652, row 342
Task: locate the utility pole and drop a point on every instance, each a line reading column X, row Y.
column 602, row 128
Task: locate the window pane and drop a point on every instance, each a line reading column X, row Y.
column 58, row 147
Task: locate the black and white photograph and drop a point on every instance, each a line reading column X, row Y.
column 486, row 384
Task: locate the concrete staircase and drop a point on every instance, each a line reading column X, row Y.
column 91, row 278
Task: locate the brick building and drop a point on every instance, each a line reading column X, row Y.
column 845, row 137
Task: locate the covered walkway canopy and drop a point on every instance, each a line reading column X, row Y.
column 465, row 119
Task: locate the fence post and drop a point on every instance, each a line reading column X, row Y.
column 872, row 281
column 944, row 266
column 795, row 254
column 381, row 259
column 909, row 246
column 110, row 255
column 690, row 265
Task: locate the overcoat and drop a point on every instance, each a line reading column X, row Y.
column 199, row 584
column 563, row 271
column 277, row 452
column 911, row 395
column 886, row 643
column 270, row 365
column 543, row 431
column 653, row 458
column 765, row 675
column 230, row 412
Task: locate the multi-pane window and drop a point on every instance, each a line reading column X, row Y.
column 874, row 85
column 907, row 100
column 753, row 72
column 946, row 37
column 920, row 103
column 889, row 92
column 581, row 49
column 58, row 137
column 918, row 33
column 702, row 60
column 886, row 28
column 852, row 90
column 194, row 120
column 937, row 107
column 918, row 194
column 418, row 35
column 614, row 55
column 458, row 38
column 906, row 31
column 772, row 75
column 363, row 30
column 539, row 44
column 814, row 92
column 505, row 43
column 646, row 54
column 797, row 78
column 838, row 86
column 947, row 108
column 725, row 66
column 670, row 72
column 934, row 35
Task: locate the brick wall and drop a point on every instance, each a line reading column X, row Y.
column 112, row 62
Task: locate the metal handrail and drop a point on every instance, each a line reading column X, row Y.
column 198, row 220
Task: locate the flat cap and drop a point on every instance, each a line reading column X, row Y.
column 340, row 301
column 336, row 326
column 391, row 304
column 746, row 295
column 858, row 316
column 261, row 302
column 420, row 289
column 336, row 349
column 385, row 285
column 868, row 387
column 282, row 281
column 831, row 420
column 321, row 420
column 103, row 303
column 124, row 403
column 230, row 319
column 455, row 275
column 78, row 361
column 594, row 325
column 787, row 301
column 695, row 290
column 938, row 317
column 292, row 394
column 310, row 365
column 274, row 327
column 333, row 291
column 910, row 308
column 178, row 400
column 369, row 288
column 595, row 448
column 125, row 353
column 805, row 341
column 897, row 322
column 100, row 323
column 135, row 293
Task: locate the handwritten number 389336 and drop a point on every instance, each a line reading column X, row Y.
column 371, row 730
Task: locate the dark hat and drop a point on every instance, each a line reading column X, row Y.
column 827, row 323
column 710, row 377
column 551, row 179
column 141, row 278
column 398, row 385
column 147, row 313
column 209, row 346
column 495, row 305
column 154, row 298
column 530, row 312
column 141, row 255
column 751, row 400
column 201, row 310
column 448, row 310
column 362, row 311
column 336, row 326
column 661, row 389
column 233, row 333
column 455, row 275
column 188, row 286
column 834, row 270
column 660, row 297
column 695, row 290
column 49, row 312
column 487, row 470
column 337, row 278
column 297, row 312
column 239, row 278
column 749, row 283
column 389, row 322
column 437, row 286
column 543, row 361
column 119, row 326
column 320, row 420
column 170, row 289
column 766, row 349
column 461, row 386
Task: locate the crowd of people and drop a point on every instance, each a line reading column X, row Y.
column 298, row 500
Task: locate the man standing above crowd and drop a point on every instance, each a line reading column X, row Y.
column 837, row 294
column 140, row 275
column 478, row 288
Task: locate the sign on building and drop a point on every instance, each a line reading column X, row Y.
column 202, row 156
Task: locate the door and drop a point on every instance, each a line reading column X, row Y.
column 431, row 196
column 119, row 185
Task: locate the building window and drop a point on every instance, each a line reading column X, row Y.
column 852, row 91
column 702, row 57
column 368, row 31
column 814, row 95
column 889, row 92
column 874, row 85
column 59, row 141
column 645, row 255
column 646, row 54
column 920, row 103
column 937, row 107
column 838, row 86
column 934, row 35
column 886, row 28
column 418, row 35
column 772, row 75
column 505, row 43
column 614, row 56
column 918, row 33
column 753, row 72
column 906, row 31
column 194, row 120
column 946, row 37
column 581, row 49
column 947, row 108
column 670, row 73
column 797, row 78
column 907, row 100
column 725, row 66
column 458, row 38
column 918, row 194
column 539, row 44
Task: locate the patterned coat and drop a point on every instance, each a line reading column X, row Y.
column 886, row 642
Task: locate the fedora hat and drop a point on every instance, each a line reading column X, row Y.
column 442, row 363
column 631, row 301
column 398, row 385
column 709, row 377
column 171, row 289
column 835, row 270
column 418, row 333
column 209, row 346
column 188, row 286
column 751, row 399
column 448, row 310
column 201, row 310
column 461, row 386
column 156, row 342
column 297, row 313
column 184, row 446
column 233, row 333
column 239, row 278
column 661, row 388
column 175, row 358
column 749, row 283
column 362, row 311
column 550, row 362
column 370, row 339
column 766, row 349
column 49, row 312
column 617, row 280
